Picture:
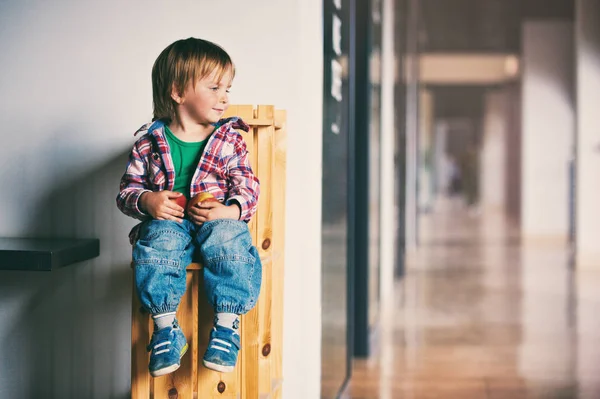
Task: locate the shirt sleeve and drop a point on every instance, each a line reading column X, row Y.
column 133, row 184
column 244, row 187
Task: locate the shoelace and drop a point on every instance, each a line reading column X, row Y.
column 219, row 341
column 150, row 347
column 161, row 345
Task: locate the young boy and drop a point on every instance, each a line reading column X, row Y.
column 188, row 149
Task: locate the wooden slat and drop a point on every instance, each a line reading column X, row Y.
column 278, row 209
column 264, row 122
column 194, row 351
column 140, row 337
column 264, row 218
column 259, row 122
column 194, row 266
column 249, row 327
column 208, row 380
column 150, row 328
column 179, row 384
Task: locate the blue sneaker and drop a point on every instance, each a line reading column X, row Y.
column 222, row 352
column 167, row 345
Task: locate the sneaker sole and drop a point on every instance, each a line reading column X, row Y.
column 169, row 369
column 218, row 367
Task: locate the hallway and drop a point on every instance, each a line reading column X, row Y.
column 478, row 316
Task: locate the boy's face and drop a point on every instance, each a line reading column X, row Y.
column 207, row 101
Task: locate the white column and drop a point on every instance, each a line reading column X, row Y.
column 588, row 133
column 388, row 185
column 493, row 152
column 411, row 77
column 548, row 129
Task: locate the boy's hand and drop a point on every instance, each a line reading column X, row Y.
column 212, row 210
column 160, row 205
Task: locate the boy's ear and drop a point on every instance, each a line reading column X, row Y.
column 176, row 95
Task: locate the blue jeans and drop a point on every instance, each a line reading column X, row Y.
column 232, row 268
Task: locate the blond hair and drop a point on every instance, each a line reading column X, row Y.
column 181, row 62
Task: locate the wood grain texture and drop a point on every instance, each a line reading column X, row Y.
column 179, row 383
column 140, row 337
column 249, row 334
column 266, row 161
column 277, row 273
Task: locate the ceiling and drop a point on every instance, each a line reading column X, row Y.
column 468, row 31
column 482, row 25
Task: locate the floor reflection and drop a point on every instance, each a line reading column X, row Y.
column 480, row 316
column 334, row 310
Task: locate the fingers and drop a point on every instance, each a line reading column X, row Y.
column 199, row 212
column 168, row 210
column 170, row 214
column 209, row 204
column 198, row 220
column 174, row 207
column 197, row 215
column 171, row 194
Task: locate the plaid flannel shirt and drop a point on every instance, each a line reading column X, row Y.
column 224, row 169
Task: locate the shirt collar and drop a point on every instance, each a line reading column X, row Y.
column 234, row 122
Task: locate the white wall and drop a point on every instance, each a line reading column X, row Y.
column 588, row 134
column 74, row 86
column 493, row 152
column 548, row 128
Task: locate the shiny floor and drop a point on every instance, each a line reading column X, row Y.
column 478, row 315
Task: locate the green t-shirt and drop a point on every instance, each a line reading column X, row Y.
column 186, row 156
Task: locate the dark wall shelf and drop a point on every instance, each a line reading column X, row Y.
column 45, row 254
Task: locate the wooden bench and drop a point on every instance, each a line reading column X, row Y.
column 258, row 373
